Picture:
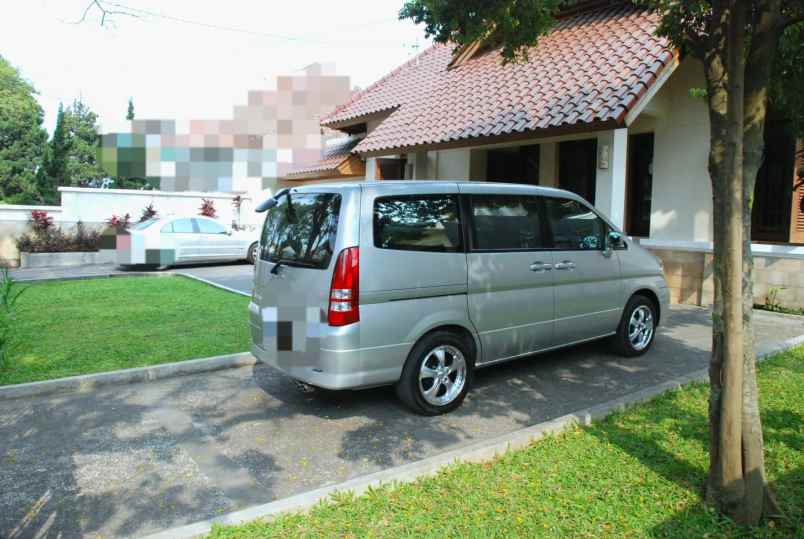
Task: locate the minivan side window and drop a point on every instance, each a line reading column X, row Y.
column 507, row 223
column 301, row 229
column 574, row 226
column 418, row 223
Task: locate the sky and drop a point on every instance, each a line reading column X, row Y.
column 193, row 59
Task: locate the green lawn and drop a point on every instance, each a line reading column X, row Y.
column 636, row 474
column 78, row 327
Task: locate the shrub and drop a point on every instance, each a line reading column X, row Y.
column 148, row 212
column 52, row 239
column 207, row 208
column 40, row 221
column 119, row 223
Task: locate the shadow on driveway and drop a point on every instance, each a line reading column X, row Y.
column 130, row 460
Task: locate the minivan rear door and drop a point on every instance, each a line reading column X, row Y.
column 301, row 238
column 510, row 272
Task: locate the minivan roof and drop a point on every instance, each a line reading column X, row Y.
column 501, row 187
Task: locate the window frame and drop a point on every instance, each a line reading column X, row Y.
column 197, row 224
column 606, row 227
column 192, row 222
column 545, row 229
column 456, row 197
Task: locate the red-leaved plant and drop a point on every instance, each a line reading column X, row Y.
column 41, row 222
column 148, row 212
column 207, row 208
column 119, row 223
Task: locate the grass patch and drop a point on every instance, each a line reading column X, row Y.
column 80, row 327
column 639, row 473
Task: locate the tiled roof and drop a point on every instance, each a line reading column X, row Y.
column 331, row 158
column 592, row 68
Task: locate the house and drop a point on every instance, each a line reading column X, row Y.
column 602, row 107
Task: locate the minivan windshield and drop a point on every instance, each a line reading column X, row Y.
column 301, row 229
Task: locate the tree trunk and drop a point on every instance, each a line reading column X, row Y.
column 759, row 500
column 725, row 69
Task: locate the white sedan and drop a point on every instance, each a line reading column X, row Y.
column 168, row 241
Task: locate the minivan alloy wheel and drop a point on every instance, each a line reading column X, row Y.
column 442, row 375
column 640, row 327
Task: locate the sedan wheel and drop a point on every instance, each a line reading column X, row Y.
column 252, row 253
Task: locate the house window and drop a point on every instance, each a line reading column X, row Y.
column 639, row 185
column 517, row 164
column 577, row 167
column 770, row 215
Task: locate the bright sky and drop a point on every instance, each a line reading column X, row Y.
column 175, row 69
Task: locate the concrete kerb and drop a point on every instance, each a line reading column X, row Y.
column 477, row 452
column 90, row 382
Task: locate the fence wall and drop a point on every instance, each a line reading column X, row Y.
column 94, row 206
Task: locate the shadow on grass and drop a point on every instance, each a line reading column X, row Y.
column 670, row 437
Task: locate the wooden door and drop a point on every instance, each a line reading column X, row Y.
column 797, row 209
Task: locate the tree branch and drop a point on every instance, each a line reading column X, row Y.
column 104, row 11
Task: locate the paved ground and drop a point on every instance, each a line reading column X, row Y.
column 236, row 275
column 130, row 460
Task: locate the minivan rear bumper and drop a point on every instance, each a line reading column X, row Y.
column 339, row 369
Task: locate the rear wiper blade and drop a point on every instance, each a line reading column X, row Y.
column 289, row 262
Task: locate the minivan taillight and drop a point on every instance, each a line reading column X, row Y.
column 344, row 294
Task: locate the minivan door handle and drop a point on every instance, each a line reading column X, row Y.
column 540, row 267
column 568, row 265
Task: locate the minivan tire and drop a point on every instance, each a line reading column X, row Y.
column 430, row 348
column 637, row 329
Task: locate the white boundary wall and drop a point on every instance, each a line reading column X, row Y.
column 94, row 206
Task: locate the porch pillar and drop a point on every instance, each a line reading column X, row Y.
column 371, row 169
column 612, row 159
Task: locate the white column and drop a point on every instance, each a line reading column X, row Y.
column 548, row 164
column 371, row 169
column 612, row 158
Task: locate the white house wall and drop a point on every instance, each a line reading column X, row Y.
column 681, row 207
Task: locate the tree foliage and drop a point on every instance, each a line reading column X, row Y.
column 130, row 110
column 513, row 24
column 22, row 137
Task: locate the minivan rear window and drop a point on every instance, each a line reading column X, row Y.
column 417, row 223
column 301, row 229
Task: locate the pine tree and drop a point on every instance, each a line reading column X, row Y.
column 130, row 112
column 55, row 165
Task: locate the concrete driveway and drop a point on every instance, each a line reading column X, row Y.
column 129, row 460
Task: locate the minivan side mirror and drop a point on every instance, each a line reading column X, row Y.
column 614, row 240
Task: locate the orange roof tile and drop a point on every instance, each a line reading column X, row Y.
column 591, row 68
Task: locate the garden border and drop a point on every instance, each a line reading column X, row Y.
column 478, row 452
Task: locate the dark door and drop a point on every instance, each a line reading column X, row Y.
column 577, row 170
column 391, row 169
column 770, row 214
column 519, row 164
column 640, row 185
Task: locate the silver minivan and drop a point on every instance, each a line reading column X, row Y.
column 419, row 283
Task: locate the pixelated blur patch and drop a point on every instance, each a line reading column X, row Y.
column 277, row 131
column 160, row 257
column 284, row 335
